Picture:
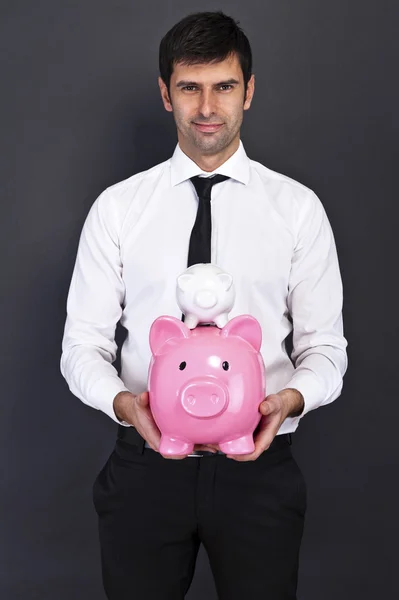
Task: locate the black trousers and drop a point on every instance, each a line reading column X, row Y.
column 153, row 513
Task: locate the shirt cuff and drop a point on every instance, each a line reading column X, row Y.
column 311, row 390
column 103, row 393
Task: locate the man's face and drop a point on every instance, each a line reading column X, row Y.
column 207, row 101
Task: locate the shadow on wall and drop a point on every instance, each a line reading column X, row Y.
column 142, row 136
column 154, row 136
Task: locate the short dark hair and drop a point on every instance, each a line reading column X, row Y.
column 204, row 37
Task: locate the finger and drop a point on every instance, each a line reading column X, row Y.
column 252, row 455
column 264, row 437
column 143, row 399
column 206, row 448
column 152, row 438
column 247, row 457
column 262, row 440
column 243, row 457
column 268, row 406
column 146, row 425
column 150, row 433
column 174, row 457
column 213, row 446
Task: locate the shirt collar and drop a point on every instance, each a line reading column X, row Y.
column 182, row 167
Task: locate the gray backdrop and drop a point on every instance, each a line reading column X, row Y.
column 81, row 110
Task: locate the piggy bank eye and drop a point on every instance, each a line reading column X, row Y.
column 182, row 365
column 225, row 365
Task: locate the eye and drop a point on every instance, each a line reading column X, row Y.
column 226, row 86
column 182, row 365
column 225, row 365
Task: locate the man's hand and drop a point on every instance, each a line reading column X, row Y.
column 274, row 409
column 135, row 410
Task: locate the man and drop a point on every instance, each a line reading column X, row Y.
column 272, row 234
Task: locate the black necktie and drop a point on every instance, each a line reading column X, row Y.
column 199, row 250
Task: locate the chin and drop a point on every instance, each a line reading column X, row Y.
column 210, row 145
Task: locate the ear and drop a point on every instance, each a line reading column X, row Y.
column 164, row 329
column 226, row 280
column 250, row 92
column 165, row 95
column 246, row 327
column 183, row 281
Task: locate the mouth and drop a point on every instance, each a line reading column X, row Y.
column 211, row 128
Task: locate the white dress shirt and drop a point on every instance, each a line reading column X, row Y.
column 269, row 232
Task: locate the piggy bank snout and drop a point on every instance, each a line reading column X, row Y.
column 205, row 299
column 203, row 398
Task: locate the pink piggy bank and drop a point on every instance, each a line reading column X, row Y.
column 205, row 384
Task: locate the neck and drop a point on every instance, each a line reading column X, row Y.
column 209, row 162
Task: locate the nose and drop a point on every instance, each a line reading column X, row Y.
column 205, row 299
column 207, row 104
column 203, row 398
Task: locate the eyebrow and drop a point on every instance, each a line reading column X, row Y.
column 183, row 83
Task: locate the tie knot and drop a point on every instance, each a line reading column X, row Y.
column 203, row 185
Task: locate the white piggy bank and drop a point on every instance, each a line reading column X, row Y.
column 205, row 294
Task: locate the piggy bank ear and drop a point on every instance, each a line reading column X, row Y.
column 246, row 327
column 164, row 329
column 183, row 281
column 226, row 280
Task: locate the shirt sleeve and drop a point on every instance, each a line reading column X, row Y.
column 315, row 300
column 94, row 307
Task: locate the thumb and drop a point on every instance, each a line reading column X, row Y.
column 265, row 407
column 142, row 399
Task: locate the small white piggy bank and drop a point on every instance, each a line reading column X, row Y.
column 205, row 294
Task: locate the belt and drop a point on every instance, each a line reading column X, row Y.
column 131, row 436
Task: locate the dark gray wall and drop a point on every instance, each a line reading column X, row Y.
column 81, row 110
